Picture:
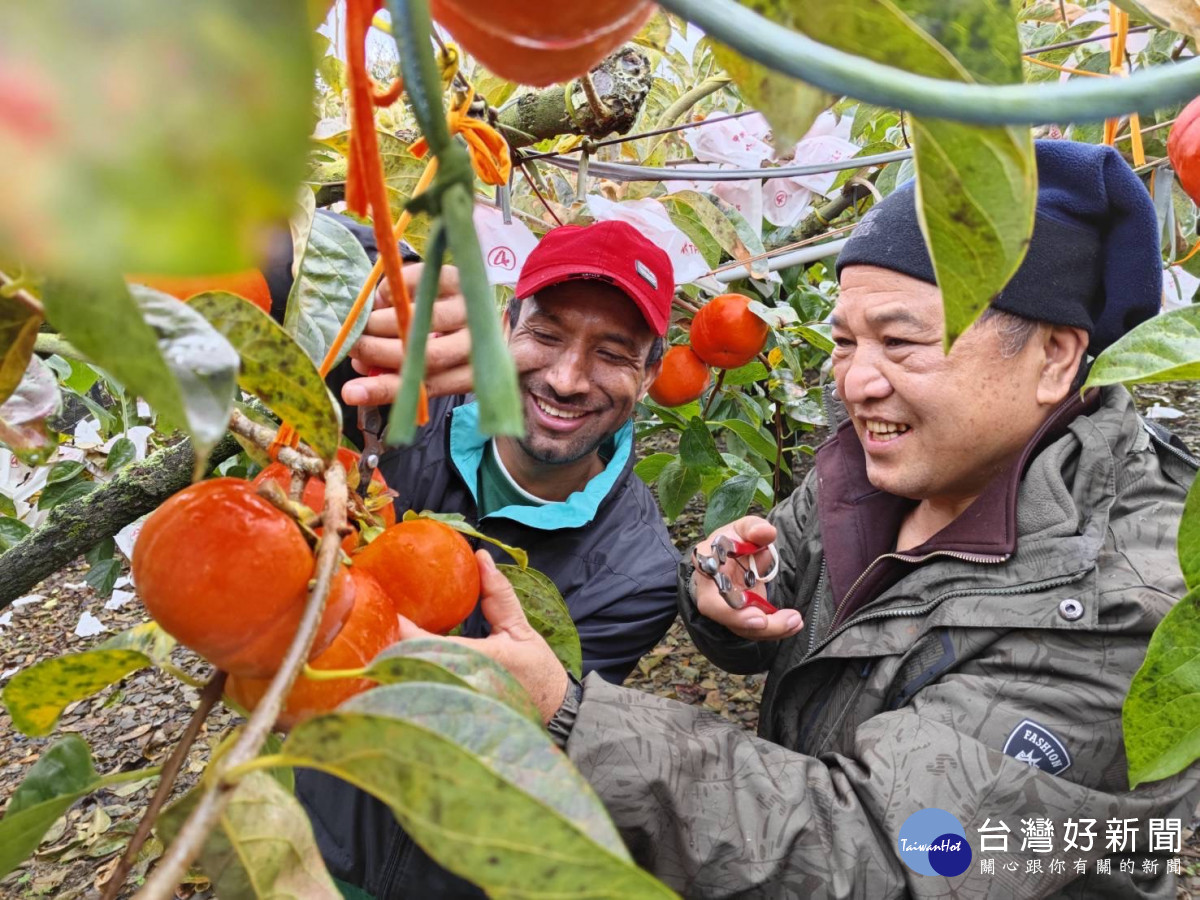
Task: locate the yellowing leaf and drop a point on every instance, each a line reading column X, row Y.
column 275, row 369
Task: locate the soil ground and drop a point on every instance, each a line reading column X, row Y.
column 134, row 724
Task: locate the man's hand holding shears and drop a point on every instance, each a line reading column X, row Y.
column 732, row 568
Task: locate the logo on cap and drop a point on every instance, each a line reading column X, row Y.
column 644, row 271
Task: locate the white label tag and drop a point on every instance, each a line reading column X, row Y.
column 644, row 271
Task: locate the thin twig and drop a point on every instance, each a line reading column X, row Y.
column 1086, row 40
column 298, row 460
column 712, row 398
column 685, row 304
column 645, row 134
column 208, row 698
column 776, row 251
column 174, row 865
column 599, row 108
column 536, row 190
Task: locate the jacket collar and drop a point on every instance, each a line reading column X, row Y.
column 859, row 523
column 466, row 453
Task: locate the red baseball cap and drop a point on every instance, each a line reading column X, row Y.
column 615, row 252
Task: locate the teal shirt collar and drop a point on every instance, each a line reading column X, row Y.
column 466, row 452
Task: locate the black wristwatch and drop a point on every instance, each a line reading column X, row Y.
column 564, row 719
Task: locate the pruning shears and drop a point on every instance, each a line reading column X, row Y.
column 725, row 548
column 370, row 423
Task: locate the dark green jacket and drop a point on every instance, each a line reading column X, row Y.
column 992, row 690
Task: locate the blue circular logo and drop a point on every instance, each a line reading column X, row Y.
column 933, row 842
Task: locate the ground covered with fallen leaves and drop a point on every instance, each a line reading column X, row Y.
column 134, row 724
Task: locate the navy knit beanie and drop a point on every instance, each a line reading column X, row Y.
column 1094, row 260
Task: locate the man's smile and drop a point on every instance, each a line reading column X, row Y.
column 879, row 431
column 555, row 416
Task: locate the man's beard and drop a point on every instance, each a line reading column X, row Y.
column 561, row 454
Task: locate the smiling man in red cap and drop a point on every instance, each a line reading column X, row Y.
column 586, row 333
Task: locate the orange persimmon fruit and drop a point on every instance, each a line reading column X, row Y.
column 428, row 569
column 726, row 334
column 683, row 378
column 227, row 574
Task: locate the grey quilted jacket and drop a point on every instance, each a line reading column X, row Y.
column 991, row 690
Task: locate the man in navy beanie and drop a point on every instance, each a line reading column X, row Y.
column 967, row 582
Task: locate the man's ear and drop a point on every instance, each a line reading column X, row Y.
column 1064, row 348
column 505, row 325
column 649, row 373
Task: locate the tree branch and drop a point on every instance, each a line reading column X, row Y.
column 620, row 82
column 300, row 460
column 208, row 698
column 839, row 72
column 188, row 843
column 74, row 528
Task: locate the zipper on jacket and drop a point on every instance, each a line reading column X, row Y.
column 1169, row 447
column 923, row 608
column 991, row 559
column 815, row 606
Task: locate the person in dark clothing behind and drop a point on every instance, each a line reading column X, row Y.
column 586, row 332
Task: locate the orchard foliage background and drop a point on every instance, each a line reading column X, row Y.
column 152, row 139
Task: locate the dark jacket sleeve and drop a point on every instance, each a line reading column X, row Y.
column 625, row 631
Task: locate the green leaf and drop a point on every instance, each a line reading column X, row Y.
column 154, row 138
column 11, row 531
column 480, row 788
column 157, row 347
column 1189, row 538
column 443, row 661
column 729, row 501
column 64, row 471
column 648, row 469
column 275, row 369
column 1165, row 348
column 1161, row 715
column 819, row 336
column 333, row 266
column 61, row 775
column 755, row 439
column 977, row 193
column 775, row 316
column 747, row 374
column 122, row 453
column 677, row 484
column 548, row 614
column 102, row 576
column 101, row 551
column 262, row 847
column 688, row 221
column 697, row 449
column 702, row 221
column 36, row 696
column 790, row 105
column 19, row 325
column 976, row 186
column 401, row 172
column 53, row 495
column 750, row 238
column 8, row 506
column 459, row 523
